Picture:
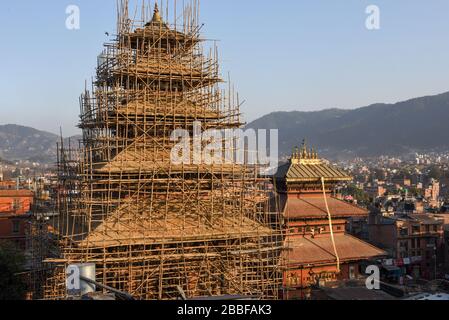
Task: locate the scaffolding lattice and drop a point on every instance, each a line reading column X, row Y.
column 151, row 226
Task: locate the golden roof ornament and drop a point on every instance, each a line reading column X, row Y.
column 304, row 149
column 305, row 156
column 156, row 16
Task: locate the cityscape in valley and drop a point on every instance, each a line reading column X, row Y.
column 108, row 215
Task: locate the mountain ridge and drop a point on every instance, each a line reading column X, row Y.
column 22, row 143
column 377, row 129
column 416, row 124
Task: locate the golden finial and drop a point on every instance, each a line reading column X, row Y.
column 307, row 156
column 304, row 152
column 295, row 156
column 157, row 16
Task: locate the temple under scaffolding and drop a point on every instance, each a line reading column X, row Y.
column 156, row 229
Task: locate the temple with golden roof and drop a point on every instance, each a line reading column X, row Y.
column 318, row 249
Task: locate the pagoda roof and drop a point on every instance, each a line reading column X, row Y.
column 131, row 224
column 157, row 30
column 313, row 207
column 311, row 172
column 306, row 166
column 305, row 251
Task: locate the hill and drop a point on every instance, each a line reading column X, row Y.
column 380, row 129
column 25, row 143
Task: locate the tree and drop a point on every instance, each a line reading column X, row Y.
column 357, row 193
column 12, row 286
column 435, row 172
column 414, row 192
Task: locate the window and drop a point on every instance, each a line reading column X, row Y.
column 15, row 227
column 16, row 204
column 351, row 272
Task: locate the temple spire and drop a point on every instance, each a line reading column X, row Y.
column 156, row 16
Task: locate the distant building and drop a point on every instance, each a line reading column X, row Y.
column 432, row 193
column 8, row 185
column 15, row 206
column 402, row 182
column 310, row 256
column 445, row 216
column 376, row 191
column 415, row 242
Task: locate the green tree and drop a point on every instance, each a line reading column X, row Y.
column 357, row 193
column 12, row 286
column 414, row 192
column 435, row 172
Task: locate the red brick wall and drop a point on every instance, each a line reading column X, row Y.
column 8, row 232
column 17, row 205
column 8, row 185
column 298, row 280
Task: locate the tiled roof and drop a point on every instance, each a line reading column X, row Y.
column 16, row 193
column 313, row 206
column 319, row 250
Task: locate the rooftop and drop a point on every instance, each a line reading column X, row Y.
column 430, row 297
column 15, row 193
column 306, row 166
column 356, row 294
column 313, row 206
column 418, row 218
column 319, row 250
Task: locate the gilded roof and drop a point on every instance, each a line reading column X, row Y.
column 306, row 166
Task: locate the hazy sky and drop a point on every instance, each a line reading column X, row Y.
column 282, row 55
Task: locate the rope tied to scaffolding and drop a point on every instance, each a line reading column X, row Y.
column 329, row 216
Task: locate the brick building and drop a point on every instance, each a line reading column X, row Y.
column 432, row 193
column 15, row 207
column 310, row 255
column 414, row 242
column 8, row 185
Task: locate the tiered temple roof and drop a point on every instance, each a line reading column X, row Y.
column 303, row 204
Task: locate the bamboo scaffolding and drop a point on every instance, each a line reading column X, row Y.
column 148, row 225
